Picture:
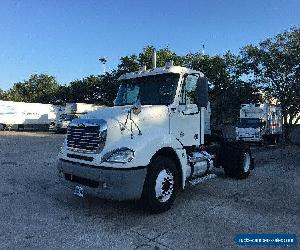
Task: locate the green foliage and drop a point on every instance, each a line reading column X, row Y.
column 92, row 89
column 275, row 67
column 272, row 66
column 128, row 64
column 2, row 95
column 134, row 62
column 163, row 55
column 38, row 88
column 228, row 90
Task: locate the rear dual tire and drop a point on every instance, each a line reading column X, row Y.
column 236, row 160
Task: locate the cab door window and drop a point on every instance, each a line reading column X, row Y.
column 188, row 95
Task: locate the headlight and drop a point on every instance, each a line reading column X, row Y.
column 121, row 155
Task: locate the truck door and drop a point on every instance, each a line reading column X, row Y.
column 185, row 118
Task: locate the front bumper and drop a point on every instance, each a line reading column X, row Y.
column 108, row 183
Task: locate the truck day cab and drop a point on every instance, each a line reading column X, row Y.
column 71, row 111
column 260, row 123
column 150, row 145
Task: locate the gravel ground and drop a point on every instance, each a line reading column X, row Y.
column 38, row 212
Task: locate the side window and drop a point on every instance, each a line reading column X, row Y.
column 132, row 93
column 188, row 95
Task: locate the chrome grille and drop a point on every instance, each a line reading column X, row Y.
column 86, row 138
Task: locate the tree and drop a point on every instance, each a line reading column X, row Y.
column 163, row 55
column 128, row 64
column 40, row 88
column 62, row 95
column 93, row 89
column 274, row 65
column 134, row 62
column 2, row 95
column 228, row 90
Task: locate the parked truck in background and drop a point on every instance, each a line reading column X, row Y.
column 71, row 111
column 150, row 145
column 26, row 116
column 260, row 123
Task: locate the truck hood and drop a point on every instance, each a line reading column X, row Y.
column 149, row 113
column 121, row 123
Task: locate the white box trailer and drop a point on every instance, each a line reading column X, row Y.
column 26, row 116
column 79, row 108
column 10, row 113
column 259, row 123
column 72, row 111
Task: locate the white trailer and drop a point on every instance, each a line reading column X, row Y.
column 72, row 111
column 150, row 145
column 80, row 108
column 26, row 116
column 259, row 123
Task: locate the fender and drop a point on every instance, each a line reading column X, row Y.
column 146, row 146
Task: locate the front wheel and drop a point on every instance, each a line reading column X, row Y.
column 161, row 185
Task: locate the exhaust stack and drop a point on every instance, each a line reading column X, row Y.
column 154, row 59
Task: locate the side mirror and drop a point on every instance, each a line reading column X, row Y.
column 202, row 92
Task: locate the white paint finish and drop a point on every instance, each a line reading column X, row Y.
column 270, row 115
column 161, row 70
column 153, row 122
column 12, row 113
column 80, row 108
column 202, row 125
column 174, row 126
column 164, row 185
column 185, row 125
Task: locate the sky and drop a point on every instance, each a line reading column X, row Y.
column 65, row 38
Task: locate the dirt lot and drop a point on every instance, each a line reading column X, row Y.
column 38, row 212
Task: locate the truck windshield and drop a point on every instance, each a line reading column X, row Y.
column 249, row 123
column 150, row 90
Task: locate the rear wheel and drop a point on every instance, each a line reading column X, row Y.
column 236, row 160
column 161, row 185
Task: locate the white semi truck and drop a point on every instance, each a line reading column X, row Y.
column 71, row 111
column 150, row 145
column 260, row 123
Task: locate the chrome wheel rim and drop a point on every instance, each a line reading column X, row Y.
column 164, row 185
column 246, row 163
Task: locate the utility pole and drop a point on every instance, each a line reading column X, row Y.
column 103, row 60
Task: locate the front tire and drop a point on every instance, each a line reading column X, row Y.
column 161, row 185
